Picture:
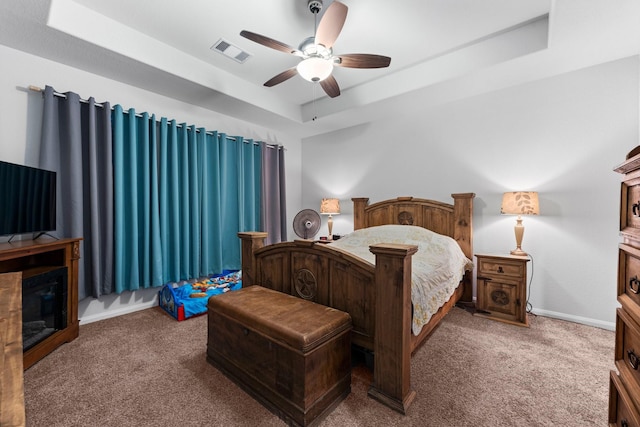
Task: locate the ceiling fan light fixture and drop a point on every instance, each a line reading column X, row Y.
column 315, row 69
column 316, row 51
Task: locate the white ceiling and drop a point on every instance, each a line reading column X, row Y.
column 441, row 50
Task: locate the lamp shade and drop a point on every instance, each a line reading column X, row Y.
column 330, row 206
column 314, row 69
column 520, row 203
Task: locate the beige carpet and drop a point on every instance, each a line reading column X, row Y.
column 146, row 369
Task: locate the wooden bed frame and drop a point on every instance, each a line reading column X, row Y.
column 378, row 297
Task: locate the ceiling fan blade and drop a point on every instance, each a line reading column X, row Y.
column 330, row 86
column 268, row 42
column 331, row 24
column 363, row 60
column 285, row 75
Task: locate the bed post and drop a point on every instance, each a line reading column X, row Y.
column 463, row 234
column 359, row 203
column 392, row 342
column 250, row 241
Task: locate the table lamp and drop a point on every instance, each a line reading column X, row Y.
column 520, row 203
column 330, row 207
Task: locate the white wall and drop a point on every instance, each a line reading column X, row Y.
column 560, row 136
column 20, row 121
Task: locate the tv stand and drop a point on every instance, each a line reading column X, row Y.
column 43, row 233
column 37, row 256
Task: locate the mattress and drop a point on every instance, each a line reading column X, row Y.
column 437, row 267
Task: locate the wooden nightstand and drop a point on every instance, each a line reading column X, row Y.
column 502, row 288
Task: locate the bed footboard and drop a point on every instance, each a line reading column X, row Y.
column 378, row 298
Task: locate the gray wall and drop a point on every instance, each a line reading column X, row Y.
column 559, row 136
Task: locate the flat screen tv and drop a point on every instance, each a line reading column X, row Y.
column 27, row 199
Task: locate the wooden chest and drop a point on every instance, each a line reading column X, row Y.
column 292, row 355
column 622, row 410
column 624, row 389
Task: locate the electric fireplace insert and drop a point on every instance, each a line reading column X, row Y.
column 44, row 304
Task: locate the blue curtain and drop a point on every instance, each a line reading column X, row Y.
column 155, row 201
column 138, row 261
column 249, row 155
column 181, row 196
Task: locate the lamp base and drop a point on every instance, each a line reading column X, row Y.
column 519, row 252
column 519, row 230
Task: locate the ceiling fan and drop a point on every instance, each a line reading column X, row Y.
column 316, row 52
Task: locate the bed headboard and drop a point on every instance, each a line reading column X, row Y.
column 453, row 220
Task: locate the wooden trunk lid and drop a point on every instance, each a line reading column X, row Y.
column 297, row 323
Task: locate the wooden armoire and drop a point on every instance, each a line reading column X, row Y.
column 624, row 390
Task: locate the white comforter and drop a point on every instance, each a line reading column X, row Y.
column 437, row 267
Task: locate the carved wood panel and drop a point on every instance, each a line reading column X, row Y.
column 309, row 275
column 353, row 291
column 274, row 272
column 439, row 221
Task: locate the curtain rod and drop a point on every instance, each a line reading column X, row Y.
column 97, row 104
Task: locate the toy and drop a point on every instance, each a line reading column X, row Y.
column 186, row 300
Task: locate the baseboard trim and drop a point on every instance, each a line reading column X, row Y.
column 118, row 312
column 611, row 326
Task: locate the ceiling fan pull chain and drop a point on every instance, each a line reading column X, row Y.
column 315, row 110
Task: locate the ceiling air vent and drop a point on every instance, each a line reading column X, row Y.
column 227, row 49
